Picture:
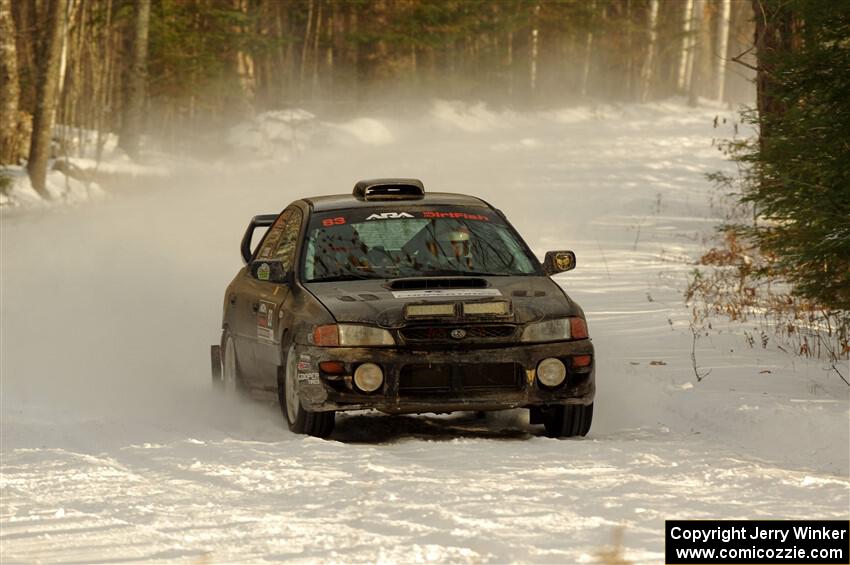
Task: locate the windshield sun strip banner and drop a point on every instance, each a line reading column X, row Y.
column 356, row 216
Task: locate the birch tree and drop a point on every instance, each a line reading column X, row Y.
column 687, row 46
column 534, row 51
column 698, row 52
column 9, row 87
column 588, row 49
column 722, row 45
column 649, row 62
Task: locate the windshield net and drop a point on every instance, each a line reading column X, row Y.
column 410, row 242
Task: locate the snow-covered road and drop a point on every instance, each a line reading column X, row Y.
column 114, row 447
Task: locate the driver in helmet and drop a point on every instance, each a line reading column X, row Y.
column 452, row 244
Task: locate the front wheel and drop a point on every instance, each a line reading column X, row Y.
column 300, row 421
column 568, row 420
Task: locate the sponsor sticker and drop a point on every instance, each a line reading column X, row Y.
column 263, row 272
column 446, row 292
column 389, row 216
column 265, row 321
column 309, row 378
column 265, row 334
column 455, row 215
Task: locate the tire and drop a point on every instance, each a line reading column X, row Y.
column 568, row 420
column 299, row 420
column 230, row 380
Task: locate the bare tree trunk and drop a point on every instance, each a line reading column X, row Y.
column 648, row 69
column 721, row 51
column 10, row 89
column 774, row 33
column 47, row 90
column 509, row 63
column 588, row 49
column 535, row 40
column 629, row 86
column 699, row 49
column 687, row 46
column 135, row 94
column 356, row 51
column 305, row 48
column 314, row 83
column 105, row 85
column 245, row 65
column 701, row 70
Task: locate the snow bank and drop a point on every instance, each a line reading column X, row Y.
column 368, row 131
column 115, row 447
column 84, row 170
column 468, row 117
column 61, row 189
column 273, row 135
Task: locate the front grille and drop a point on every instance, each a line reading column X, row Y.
column 459, row 378
column 425, row 378
column 444, row 333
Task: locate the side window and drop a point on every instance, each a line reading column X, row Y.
column 272, row 239
column 284, row 250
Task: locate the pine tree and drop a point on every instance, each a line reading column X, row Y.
column 801, row 182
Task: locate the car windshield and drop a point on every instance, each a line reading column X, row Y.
column 393, row 242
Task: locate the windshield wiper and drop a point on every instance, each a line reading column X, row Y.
column 453, row 273
column 479, row 274
column 339, row 278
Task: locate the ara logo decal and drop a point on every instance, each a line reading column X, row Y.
column 389, row 216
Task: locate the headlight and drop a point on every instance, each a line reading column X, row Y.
column 552, row 330
column 351, row 335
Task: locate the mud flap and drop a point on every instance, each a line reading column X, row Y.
column 535, row 415
column 215, row 358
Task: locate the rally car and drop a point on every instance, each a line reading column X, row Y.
column 403, row 301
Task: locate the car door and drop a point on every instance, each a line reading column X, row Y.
column 272, row 297
column 240, row 319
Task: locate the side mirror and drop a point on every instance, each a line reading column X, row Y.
column 558, row 262
column 261, row 221
column 270, row 271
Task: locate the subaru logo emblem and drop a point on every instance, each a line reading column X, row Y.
column 458, row 333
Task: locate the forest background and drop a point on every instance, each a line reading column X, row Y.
column 166, row 74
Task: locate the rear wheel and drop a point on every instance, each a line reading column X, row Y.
column 231, row 377
column 568, row 420
column 300, row 421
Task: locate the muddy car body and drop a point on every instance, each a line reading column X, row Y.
column 405, row 301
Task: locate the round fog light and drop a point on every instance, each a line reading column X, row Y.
column 368, row 377
column 551, row 372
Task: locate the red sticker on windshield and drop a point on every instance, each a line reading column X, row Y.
column 455, row 215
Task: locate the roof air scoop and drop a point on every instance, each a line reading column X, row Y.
column 389, row 189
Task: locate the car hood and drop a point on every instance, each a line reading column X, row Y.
column 532, row 298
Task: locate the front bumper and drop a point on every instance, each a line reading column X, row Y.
column 466, row 383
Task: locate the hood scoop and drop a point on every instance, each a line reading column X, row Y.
column 525, row 293
column 437, row 282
